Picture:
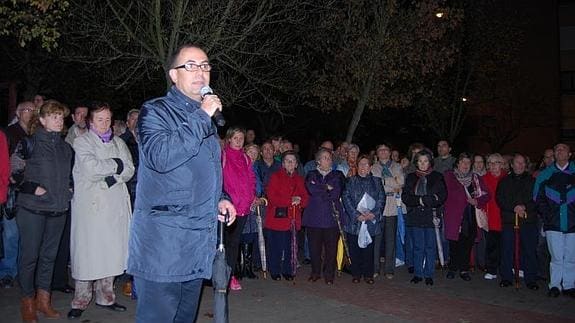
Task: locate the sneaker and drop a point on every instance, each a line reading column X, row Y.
column 554, row 292
column 235, row 284
column 520, row 273
column 399, row 263
column 489, row 276
column 389, row 276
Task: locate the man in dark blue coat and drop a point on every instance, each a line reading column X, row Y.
column 179, row 194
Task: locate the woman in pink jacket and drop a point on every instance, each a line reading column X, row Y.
column 240, row 185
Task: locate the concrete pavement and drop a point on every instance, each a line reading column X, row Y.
column 393, row 300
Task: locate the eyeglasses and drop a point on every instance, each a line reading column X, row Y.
column 27, row 109
column 192, row 67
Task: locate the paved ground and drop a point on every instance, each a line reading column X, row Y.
column 386, row 301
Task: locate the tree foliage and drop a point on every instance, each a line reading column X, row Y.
column 28, row 20
column 379, row 53
column 253, row 44
column 489, row 41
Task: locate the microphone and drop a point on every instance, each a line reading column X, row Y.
column 218, row 117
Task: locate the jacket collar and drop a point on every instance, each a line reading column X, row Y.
column 189, row 104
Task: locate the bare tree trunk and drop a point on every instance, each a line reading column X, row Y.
column 361, row 103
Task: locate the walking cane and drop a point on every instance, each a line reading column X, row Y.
column 436, row 223
column 516, row 251
column 294, row 261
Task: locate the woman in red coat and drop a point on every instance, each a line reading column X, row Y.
column 287, row 196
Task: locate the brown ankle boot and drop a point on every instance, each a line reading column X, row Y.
column 28, row 310
column 44, row 304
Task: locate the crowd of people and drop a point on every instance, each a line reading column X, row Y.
column 71, row 195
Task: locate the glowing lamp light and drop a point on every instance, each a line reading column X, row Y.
column 439, row 14
column 464, row 99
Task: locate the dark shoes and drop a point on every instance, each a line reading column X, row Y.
column 75, row 313
column 355, row 280
column 276, row 277
column 532, row 286
column 66, row 289
column 329, row 281
column 554, row 292
column 7, row 282
column 306, row 261
column 370, row 281
column 288, row 277
column 429, row 281
column 416, row 280
column 313, row 279
column 465, row 276
column 450, row 275
column 569, row 292
column 410, row 270
column 114, row 307
column 505, row 283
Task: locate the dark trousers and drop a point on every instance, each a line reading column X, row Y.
column 361, row 258
column 460, row 251
column 323, row 239
column 232, row 240
column 493, row 251
column 389, row 238
column 60, row 279
column 39, row 239
column 424, row 250
column 167, row 302
column 279, row 243
column 528, row 234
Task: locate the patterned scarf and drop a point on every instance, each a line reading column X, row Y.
column 352, row 168
column 463, row 178
column 386, row 169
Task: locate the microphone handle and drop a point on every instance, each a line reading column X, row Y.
column 218, row 118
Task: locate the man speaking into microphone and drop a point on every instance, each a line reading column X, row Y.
column 179, row 194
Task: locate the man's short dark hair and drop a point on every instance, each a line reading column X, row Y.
column 174, row 57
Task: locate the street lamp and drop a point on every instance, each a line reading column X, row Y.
column 439, row 14
column 464, row 99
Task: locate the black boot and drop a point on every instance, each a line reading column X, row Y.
column 247, row 251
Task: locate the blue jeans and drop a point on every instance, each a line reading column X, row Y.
column 167, row 302
column 424, row 250
column 562, row 267
column 9, row 264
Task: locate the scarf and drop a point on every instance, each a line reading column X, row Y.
column 421, row 185
column 323, row 172
column 463, row 178
column 106, row 137
column 386, row 169
column 352, row 168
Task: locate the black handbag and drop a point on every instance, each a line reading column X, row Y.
column 281, row 212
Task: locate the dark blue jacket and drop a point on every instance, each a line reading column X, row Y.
column 355, row 187
column 319, row 211
column 174, row 227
